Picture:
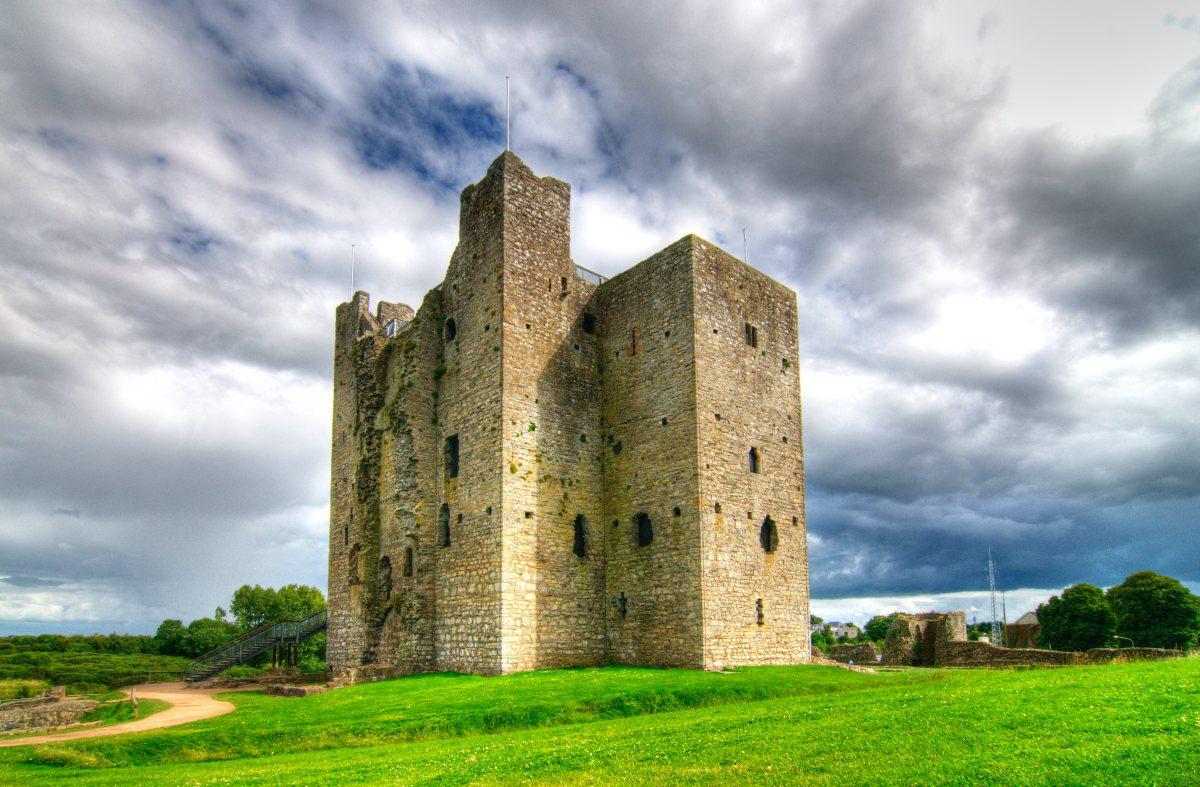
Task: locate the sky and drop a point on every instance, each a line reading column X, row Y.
column 990, row 213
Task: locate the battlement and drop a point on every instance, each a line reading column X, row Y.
column 543, row 467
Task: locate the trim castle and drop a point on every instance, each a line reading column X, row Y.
column 542, row 468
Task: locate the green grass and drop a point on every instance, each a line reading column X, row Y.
column 1134, row 723
column 87, row 671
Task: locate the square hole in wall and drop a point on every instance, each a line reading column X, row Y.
column 664, row 422
column 529, row 515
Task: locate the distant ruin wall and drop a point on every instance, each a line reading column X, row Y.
column 985, row 654
column 861, row 653
column 918, row 640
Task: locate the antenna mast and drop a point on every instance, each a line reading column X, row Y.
column 507, row 113
column 997, row 634
column 353, row 272
column 745, row 247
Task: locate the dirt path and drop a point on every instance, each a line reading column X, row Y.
column 187, row 704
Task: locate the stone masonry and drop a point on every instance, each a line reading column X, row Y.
column 541, row 468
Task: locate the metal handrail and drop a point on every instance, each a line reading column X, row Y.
column 589, row 275
column 258, row 640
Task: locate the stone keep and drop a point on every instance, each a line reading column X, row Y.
column 540, row 468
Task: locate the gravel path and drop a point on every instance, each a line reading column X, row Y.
column 188, row 704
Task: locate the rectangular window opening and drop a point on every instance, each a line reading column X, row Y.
column 451, row 456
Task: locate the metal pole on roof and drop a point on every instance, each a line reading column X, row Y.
column 353, row 272
column 745, row 247
column 507, row 113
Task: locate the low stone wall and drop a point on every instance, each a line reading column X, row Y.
column 1109, row 655
column 42, row 713
column 985, row 654
column 860, row 653
column 293, row 691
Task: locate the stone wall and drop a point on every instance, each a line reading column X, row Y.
column 650, row 462
column 754, row 545
column 918, row 640
column 42, row 712
column 985, row 654
column 576, row 410
column 860, row 653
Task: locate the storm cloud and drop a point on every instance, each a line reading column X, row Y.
column 996, row 263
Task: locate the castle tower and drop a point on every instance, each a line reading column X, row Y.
column 541, row 468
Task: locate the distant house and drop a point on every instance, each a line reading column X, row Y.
column 848, row 630
column 1023, row 633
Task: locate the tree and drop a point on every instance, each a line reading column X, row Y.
column 205, row 634
column 170, row 637
column 1079, row 620
column 877, row 627
column 257, row 606
column 822, row 638
column 1155, row 611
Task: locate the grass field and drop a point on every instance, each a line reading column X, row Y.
column 88, row 671
column 1136, row 723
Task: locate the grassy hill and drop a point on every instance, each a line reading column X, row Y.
column 1119, row 723
column 87, row 671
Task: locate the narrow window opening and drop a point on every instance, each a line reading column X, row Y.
column 784, row 363
column 580, row 545
column 391, row 328
column 489, row 510
column 645, row 533
column 718, row 416
column 616, row 448
column 616, row 523
column 768, row 536
column 795, row 521
column 754, row 460
column 564, row 285
column 716, row 508
column 451, row 456
column 345, row 535
column 676, row 511
column 528, row 327
column 451, row 330
column 529, row 515
column 622, row 604
column 444, row 525
column 664, row 422
column 408, row 561
column 589, row 323
column 633, row 341
column 785, row 439
column 751, row 335
column 758, row 612
column 666, row 334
